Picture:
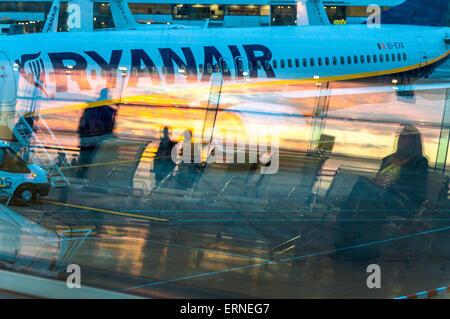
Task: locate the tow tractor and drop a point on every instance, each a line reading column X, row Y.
column 24, row 180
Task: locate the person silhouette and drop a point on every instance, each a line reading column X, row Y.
column 399, row 187
column 162, row 163
column 96, row 125
column 404, row 173
column 190, row 163
column 400, row 183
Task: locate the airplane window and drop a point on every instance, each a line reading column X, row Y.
column 375, row 58
column 405, row 57
column 393, row 57
column 250, row 66
column 387, row 57
column 225, row 67
column 334, row 60
column 282, row 63
column 312, row 61
column 355, row 58
column 349, row 60
column 305, row 62
column 200, row 68
column 381, row 58
column 259, row 65
column 289, row 63
column 369, row 58
column 319, row 60
column 164, row 70
column 297, row 63
column 154, row 70
column 275, row 64
column 399, row 57
column 266, row 65
column 327, row 61
column 240, row 66
column 362, row 59
column 342, row 60
column 216, row 67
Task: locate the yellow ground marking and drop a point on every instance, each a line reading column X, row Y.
column 105, row 211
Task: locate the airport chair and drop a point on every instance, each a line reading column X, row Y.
column 292, row 186
column 240, row 184
column 214, row 182
column 426, row 218
column 115, row 163
column 170, row 185
column 343, row 183
column 288, row 193
column 437, row 189
column 211, row 181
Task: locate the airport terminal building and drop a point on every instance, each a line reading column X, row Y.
column 224, row 13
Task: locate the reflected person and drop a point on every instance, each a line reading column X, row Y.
column 189, row 167
column 96, row 125
column 400, row 183
column 399, row 187
column 163, row 164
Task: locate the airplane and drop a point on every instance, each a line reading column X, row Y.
column 124, row 20
column 83, row 20
column 160, row 60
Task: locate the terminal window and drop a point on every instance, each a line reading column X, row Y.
column 22, row 6
column 357, row 11
column 284, row 15
column 102, row 16
column 250, row 10
column 335, row 13
column 150, row 8
column 198, row 12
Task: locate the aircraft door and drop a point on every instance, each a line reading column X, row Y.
column 7, row 82
column 423, row 54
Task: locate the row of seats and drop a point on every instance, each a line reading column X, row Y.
column 244, row 184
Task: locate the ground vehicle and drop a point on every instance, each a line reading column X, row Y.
column 19, row 178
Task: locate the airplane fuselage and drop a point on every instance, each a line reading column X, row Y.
column 147, row 59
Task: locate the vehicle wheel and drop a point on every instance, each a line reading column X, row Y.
column 26, row 194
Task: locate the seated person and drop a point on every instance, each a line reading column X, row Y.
column 401, row 180
column 398, row 187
